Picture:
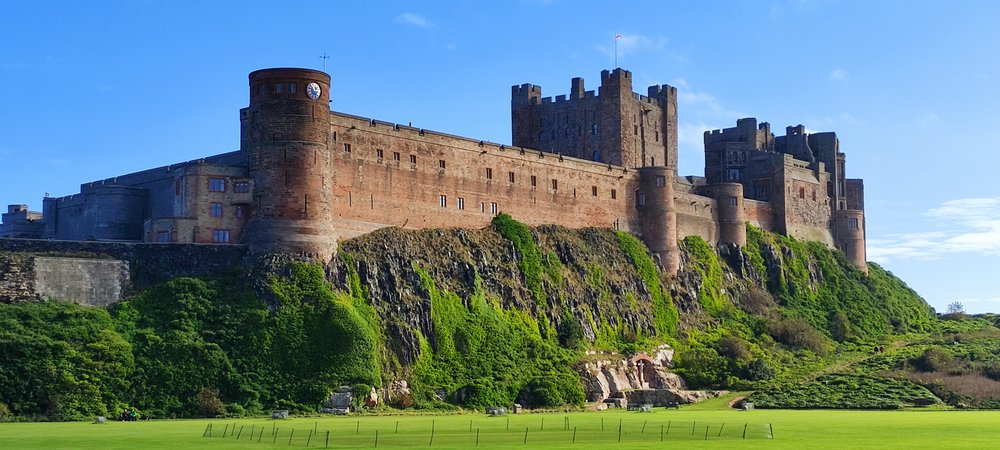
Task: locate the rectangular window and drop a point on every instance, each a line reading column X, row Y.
column 733, row 174
column 443, row 201
column 661, row 181
column 534, row 181
column 732, row 201
column 555, row 184
column 291, row 88
column 494, row 209
column 482, row 207
column 510, row 177
column 239, row 211
column 441, row 164
column 761, row 191
column 217, row 185
column 593, row 191
column 378, row 154
column 802, row 192
column 279, row 88
column 853, row 223
column 220, row 235
column 177, row 186
column 640, row 198
column 395, row 156
column 461, row 203
column 614, row 194
column 163, row 236
column 215, row 210
column 489, row 173
column 347, row 148
column 241, row 187
column 413, row 159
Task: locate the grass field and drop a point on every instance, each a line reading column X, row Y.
column 695, row 427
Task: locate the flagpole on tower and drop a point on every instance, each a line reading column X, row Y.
column 324, row 58
column 617, row 37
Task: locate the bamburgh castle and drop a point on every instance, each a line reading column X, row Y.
column 305, row 177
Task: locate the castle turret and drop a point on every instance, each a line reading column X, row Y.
column 285, row 135
column 732, row 222
column 657, row 215
column 850, row 236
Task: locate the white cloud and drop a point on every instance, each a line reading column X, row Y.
column 415, row 20
column 970, row 225
column 838, row 74
column 631, row 43
column 929, row 119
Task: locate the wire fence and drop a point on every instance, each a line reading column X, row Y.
column 479, row 431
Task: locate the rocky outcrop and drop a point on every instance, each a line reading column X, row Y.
column 598, row 283
column 639, row 379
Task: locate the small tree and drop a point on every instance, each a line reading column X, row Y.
column 956, row 308
column 209, row 403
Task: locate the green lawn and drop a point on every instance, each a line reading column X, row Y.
column 686, row 427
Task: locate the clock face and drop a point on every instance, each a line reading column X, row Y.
column 313, row 90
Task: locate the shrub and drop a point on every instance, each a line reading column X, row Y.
column 209, row 403
column 934, row 359
column 701, row 367
column 734, row 347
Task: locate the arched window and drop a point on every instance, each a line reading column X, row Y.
column 596, row 156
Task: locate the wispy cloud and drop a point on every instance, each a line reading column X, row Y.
column 970, row 225
column 631, row 43
column 415, row 20
column 838, row 75
column 929, row 119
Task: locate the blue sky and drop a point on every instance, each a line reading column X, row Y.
column 90, row 90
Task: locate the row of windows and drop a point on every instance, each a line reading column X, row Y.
column 220, row 235
column 279, row 88
column 511, row 177
column 215, row 210
column 219, row 185
column 494, row 207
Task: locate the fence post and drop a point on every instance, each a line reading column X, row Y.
column 261, row 434
column 661, row 432
column 574, row 435
column 275, row 438
column 706, row 432
column 692, row 427
column 225, row 431
column 721, row 428
column 771, row 427
column 619, row 430
column 376, row 438
column 310, row 438
column 525, row 435
column 745, row 430
column 397, row 427
column 290, row 436
column 432, row 434
column 543, row 425
column 252, row 429
column 327, row 438
column 357, row 429
column 477, row 437
column 240, row 433
column 668, row 425
column 643, row 427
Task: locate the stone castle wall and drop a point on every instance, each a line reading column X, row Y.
column 101, row 273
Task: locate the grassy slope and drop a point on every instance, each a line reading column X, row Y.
column 792, row 429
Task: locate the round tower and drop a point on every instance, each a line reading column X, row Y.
column 729, row 205
column 850, row 234
column 285, row 136
column 657, row 216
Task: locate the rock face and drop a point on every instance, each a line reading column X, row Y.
column 338, row 402
column 599, row 283
column 639, row 379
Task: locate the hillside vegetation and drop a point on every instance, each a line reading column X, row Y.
column 471, row 318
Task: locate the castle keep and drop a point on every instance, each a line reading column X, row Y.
column 305, row 177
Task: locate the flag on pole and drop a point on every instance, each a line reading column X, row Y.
column 618, row 36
